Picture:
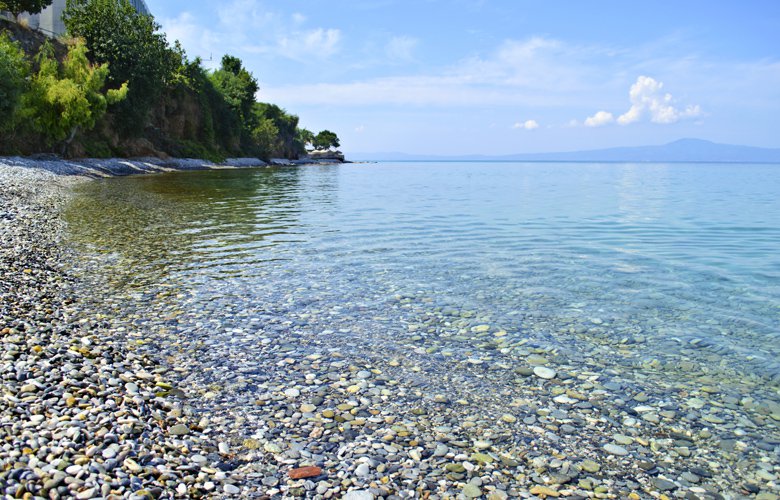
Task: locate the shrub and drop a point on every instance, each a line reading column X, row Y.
column 61, row 101
column 13, row 72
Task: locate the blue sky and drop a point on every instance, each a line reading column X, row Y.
column 502, row 77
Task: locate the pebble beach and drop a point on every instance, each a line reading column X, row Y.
column 103, row 398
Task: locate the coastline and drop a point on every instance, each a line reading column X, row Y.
column 117, row 167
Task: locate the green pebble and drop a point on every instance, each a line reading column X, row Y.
column 472, row 491
column 482, row 458
column 456, row 468
column 590, row 466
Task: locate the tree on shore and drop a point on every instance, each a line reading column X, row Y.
column 326, row 139
column 16, row 7
column 13, row 73
column 62, row 101
column 238, row 87
column 305, row 137
column 132, row 44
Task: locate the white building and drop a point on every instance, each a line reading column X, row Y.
column 49, row 21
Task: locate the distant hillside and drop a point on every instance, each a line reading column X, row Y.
column 684, row 150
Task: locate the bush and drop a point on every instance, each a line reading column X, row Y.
column 61, row 101
column 13, row 73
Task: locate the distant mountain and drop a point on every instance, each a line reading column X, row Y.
column 684, row 150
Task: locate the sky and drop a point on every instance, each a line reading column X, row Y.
column 502, row 76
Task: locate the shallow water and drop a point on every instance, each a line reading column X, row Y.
column 338, row 313
column 633, row 264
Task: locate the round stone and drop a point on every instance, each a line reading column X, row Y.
column 472, row 491
column 544, row 372
column 359, row 495
column 614, row 449
column 362, row 470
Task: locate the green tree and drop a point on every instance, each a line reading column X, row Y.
column 63, row 100
column 117, row 34
column 265, row 137
column 238, row 86
column 13, row 72
column 326, row 139
column 305, row 137
column 16, row 7
column 288, row 145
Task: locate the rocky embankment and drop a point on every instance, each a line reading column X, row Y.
column 81, row 413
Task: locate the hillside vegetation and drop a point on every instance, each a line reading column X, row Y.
column 115, row 87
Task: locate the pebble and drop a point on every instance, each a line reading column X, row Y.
column 362, row 470
column 230, row 489
column 614, row 449
column 359, row 495
column 179, row 430
column 544, row 373
column 471, row 490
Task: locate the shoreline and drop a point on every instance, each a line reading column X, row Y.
column 117, row 167
column 75, row 381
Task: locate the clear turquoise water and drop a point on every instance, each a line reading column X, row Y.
column 671, row 270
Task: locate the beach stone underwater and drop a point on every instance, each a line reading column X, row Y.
column 117, row 394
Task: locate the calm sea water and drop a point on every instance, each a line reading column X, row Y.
column 671, row 270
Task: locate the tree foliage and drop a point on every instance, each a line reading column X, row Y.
column 265, row 138
column 13, row 72
column 305, row 137
column 238, row 86
column 16, row 7
column 62, row 100
column 288, row 144
column 130, row 42
column 326, row 139
column 220, row 124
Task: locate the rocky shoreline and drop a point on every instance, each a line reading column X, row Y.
column 81, row 414
column 128, row 405
column 114, row 167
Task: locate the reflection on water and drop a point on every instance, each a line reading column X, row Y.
column 632, row 264
column 158, row 226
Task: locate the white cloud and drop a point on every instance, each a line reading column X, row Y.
column 313, row 44
column 360, row 129
column 649, row 100
column 599, row 119
column 526, row 125
column 401, row 48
